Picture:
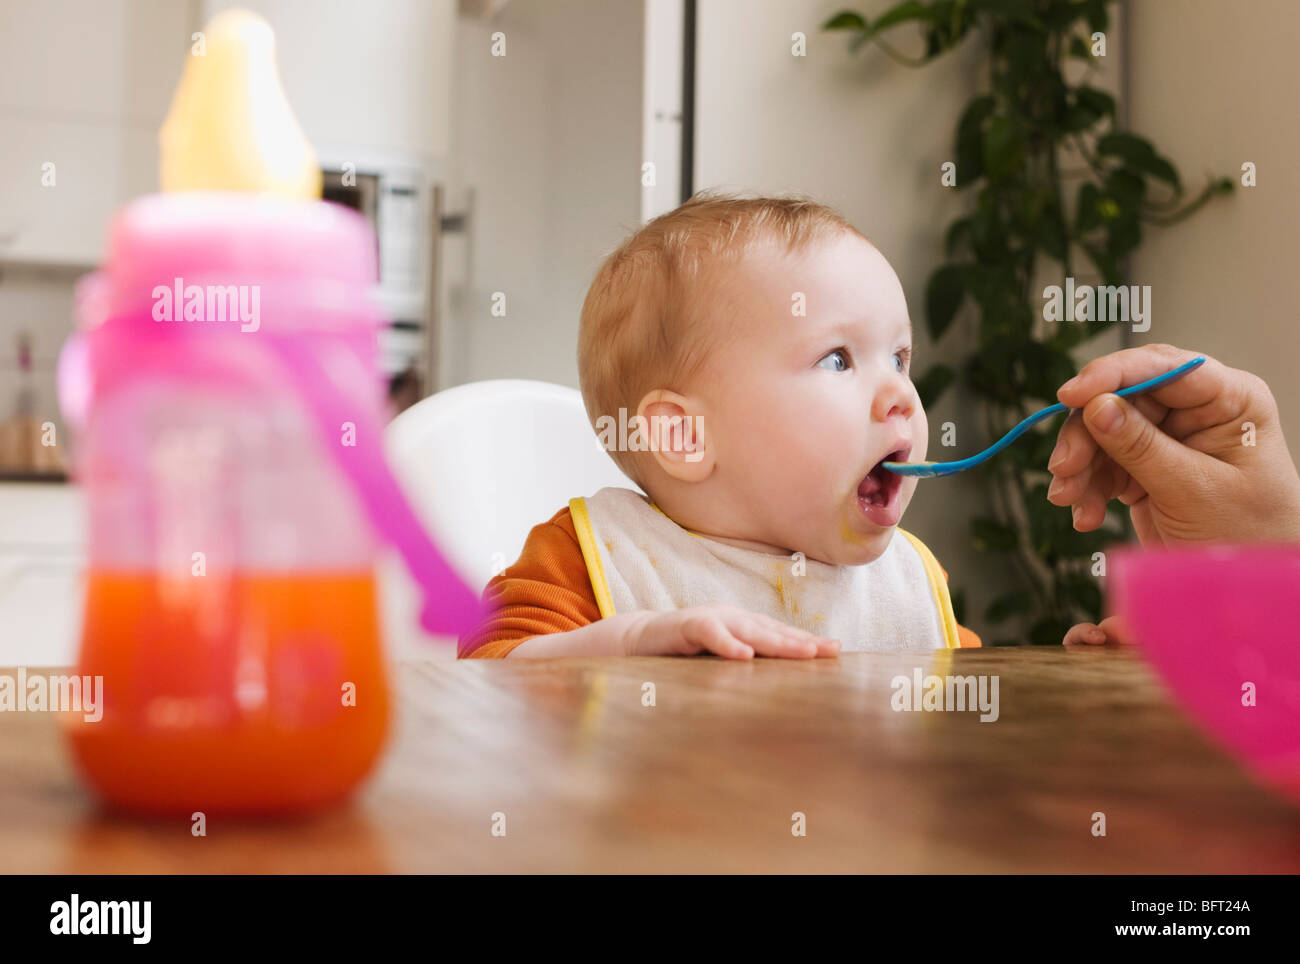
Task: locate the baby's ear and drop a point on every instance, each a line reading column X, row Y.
column 676, row 436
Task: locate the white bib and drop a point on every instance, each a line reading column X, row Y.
column 638, row 558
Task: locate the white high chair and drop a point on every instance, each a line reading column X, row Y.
column 482, row 464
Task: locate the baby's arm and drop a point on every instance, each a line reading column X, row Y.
column 545, row 593
column 716, row 628
column 604, row 637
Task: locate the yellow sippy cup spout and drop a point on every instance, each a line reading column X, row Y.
column 230, row 127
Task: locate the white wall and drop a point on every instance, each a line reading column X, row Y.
column 1213, row 87
column 549, row 138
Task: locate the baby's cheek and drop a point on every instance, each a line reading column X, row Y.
column 920, row 435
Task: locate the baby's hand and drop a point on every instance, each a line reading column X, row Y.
column 727, row 631
column 1090, row 634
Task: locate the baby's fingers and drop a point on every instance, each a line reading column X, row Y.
column 1111, row 630
column 710, row 633
column 772, row 638
column 1115, row 631
column 1084, row 634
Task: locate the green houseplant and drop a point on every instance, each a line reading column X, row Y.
column 1056, row 190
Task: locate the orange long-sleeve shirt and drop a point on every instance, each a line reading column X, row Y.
column 548, row 591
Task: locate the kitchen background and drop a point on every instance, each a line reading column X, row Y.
column 516, row 173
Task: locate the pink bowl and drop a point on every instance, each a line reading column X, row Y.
column 1212, row 620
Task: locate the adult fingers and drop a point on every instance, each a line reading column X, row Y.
column 1120, row 369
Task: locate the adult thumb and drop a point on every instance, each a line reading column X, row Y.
column 1141, row 449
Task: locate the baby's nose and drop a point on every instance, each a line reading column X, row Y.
column 895, row 397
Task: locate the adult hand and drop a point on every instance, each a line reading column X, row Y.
column 1200, row 460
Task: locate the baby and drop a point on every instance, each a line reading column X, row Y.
column 762, row 346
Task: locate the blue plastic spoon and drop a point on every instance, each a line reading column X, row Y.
column 926, row 470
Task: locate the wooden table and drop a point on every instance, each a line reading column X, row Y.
column 708, row 779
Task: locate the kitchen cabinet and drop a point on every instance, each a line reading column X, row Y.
column 97, row 167
column 41, row 573
column 87, row 83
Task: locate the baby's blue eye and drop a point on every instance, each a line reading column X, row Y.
column 900, row 361
column 841, row 355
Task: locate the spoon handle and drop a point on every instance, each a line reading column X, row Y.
column 934, row 469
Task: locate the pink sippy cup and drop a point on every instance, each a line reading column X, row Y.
column 230, row 410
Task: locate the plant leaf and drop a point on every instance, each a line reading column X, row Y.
column 1086, row 214
column 1089, row 106
column 1082, row 592
column 958, row 232
column 1004, row 146
column 1138, row 153
column 1048, row 631
column 1098, row 101
column 944, row 294
column 1127, row 189
column 1104, row 261
column 990, row 535
column 958, row 605
column 970, row 139
column 1013, row 11
column 846, row 20
column 934, row 383
column 1046, row 369
column 903, row 12
column 1009, row 604
column 1098, row 18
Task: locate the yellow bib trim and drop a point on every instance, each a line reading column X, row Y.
column 591, row 556
column 939, row 586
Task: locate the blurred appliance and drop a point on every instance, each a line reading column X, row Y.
column 396, row 195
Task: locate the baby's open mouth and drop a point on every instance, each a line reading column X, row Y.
column 880, row 485
column 878, row 491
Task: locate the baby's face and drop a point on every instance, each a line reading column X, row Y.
column 809, row 396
